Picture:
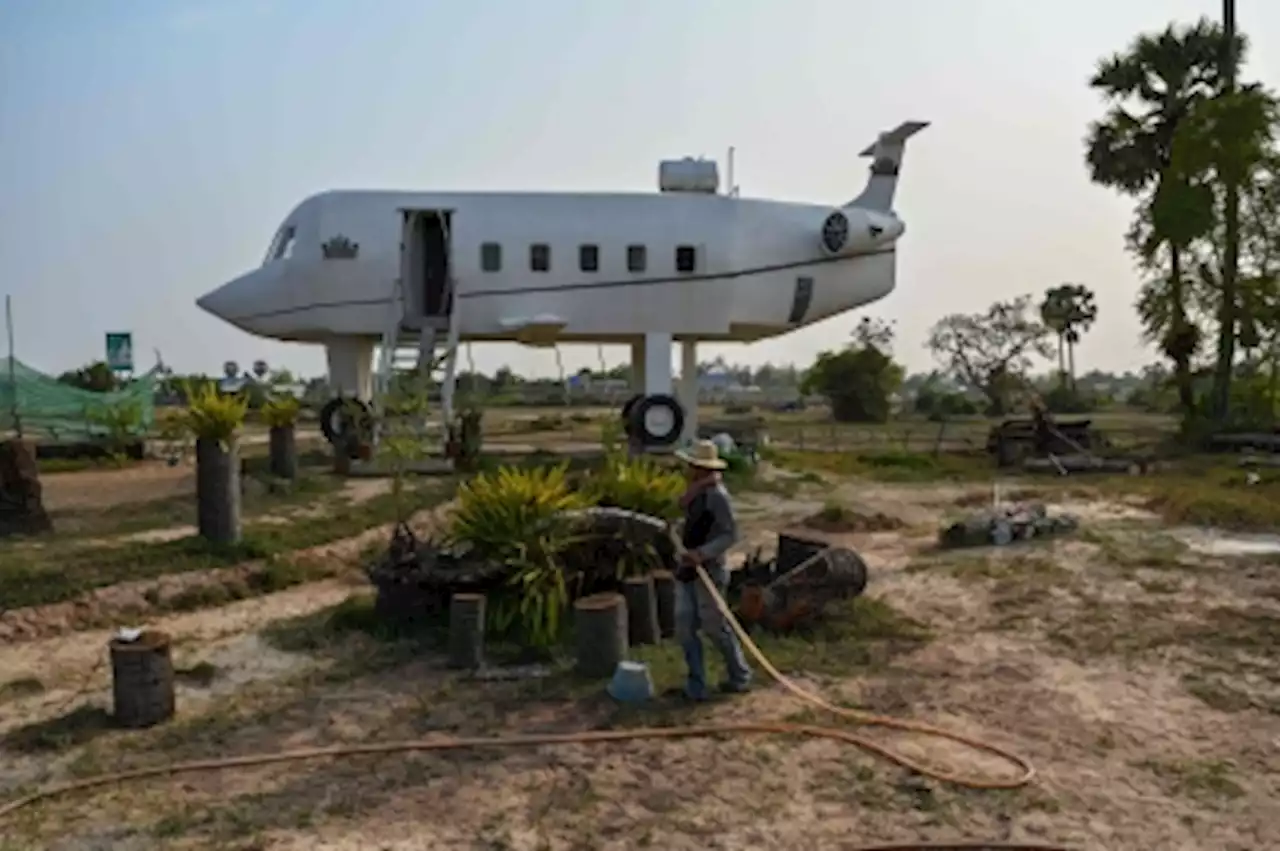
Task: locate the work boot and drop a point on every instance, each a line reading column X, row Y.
column 728, row 687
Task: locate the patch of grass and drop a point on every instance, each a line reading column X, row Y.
column 200, row 674
column 262, row 496
column 1217, row 691
column 1204, row 780
column 1101, row 628
column 1134, row 549
column 1008, row 567
column 1204, row 493
column 77, row 727
column 20, row 688
column 57, row 572
column 887, row 466
column 837, row 518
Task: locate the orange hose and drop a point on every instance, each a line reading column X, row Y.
column 1027, row 772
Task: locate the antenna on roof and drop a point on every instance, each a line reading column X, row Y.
column 731, row 188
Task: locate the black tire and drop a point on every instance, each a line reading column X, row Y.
column 626, row 412
column 337, row 420
column 636, row 420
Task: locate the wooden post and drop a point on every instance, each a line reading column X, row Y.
column 142, row 680
column 218, row 491
column 664, row 592
column 284, row 452
column 642, row 610
column 466, row 631
column 601, row 626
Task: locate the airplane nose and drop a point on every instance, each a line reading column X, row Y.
column 239, row 299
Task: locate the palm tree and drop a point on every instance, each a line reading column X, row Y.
column 1068, row 311
column 1151, row 88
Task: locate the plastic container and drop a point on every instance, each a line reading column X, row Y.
column 631, row 683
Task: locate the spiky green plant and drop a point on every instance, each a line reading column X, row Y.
column 637, row 484
column 212, row 415
column 281, row 411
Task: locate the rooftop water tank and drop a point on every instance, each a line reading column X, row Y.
column 689, row 175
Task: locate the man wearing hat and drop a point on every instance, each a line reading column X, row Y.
column 709, row 531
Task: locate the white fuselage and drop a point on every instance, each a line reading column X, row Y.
column 759, row 268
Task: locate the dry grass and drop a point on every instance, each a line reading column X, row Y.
column 1139, row 676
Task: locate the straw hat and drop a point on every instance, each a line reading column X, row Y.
column 703, row 454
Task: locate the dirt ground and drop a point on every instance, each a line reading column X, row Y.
column 1136, row 671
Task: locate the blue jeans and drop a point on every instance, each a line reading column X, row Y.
column 695, row 610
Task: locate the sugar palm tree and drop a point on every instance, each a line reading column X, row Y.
column 1150, row 89
column 1068, row 311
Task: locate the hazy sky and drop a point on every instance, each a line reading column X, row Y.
column 150, row 148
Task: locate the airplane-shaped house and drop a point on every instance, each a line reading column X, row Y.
column 355, row 270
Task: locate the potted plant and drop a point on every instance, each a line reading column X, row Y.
column 281, row 414
column 214, row 420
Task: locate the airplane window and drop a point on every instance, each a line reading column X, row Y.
column 686, row 258
column 491, row 257
column 635, row 258
column 540, row 257
column 282, row 245
column 589, row 258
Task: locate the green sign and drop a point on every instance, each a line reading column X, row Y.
column 120, row 352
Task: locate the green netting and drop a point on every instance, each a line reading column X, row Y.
column 49, row 409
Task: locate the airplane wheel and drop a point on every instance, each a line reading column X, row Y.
column 342, row 418
column 657, row 420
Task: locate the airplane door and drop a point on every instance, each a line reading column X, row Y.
column 426, row 270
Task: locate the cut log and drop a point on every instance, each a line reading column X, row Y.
column 642, row 610
column 1060, row 464
column 218, row 491
column 664, row 592
column 601, row 625
column 142, row 686
column 466, row 631
column 22, row 509
column 284, row 452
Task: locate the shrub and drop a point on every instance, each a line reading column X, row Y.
column 211, row 415
column 637, row 484
column 517, row 517
column 281, row 411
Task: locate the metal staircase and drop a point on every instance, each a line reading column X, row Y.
column 435, row 350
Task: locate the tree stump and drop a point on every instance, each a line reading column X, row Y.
column 466, row 631
column 142, row 680
column 284, row 452
column 664, row 592
column 601, row 625
column 642, row 610
column 218, row 491
column 21, row 495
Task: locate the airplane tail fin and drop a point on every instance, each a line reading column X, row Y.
column 886, row 162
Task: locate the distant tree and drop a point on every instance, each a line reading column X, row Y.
column 991, row 352
column 859, row 380
column 1068, row 310
column 504, row 379
column 938, row 401
column 96, row 376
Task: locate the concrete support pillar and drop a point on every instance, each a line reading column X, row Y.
column 637, row 366
column 657, row 364
column 689, row 389
column 350, row 367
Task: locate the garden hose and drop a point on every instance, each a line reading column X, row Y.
column 1027, row 772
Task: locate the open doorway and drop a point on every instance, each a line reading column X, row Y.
column 428, row 288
